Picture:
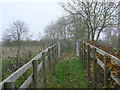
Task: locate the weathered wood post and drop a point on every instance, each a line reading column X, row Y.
column 52, row 58
column 106, row 72
column 94, row 67
column 77, row 48
column 10, row 85
column 80, row 58
column 85, row 56
column 56, row 54
column 35, row 73
column 82, row 52
column 50, row 65
column 59, row 51
column 55, row 58
column 49, row 58
column 88, row 60
column 84, row 61
column 44, row 70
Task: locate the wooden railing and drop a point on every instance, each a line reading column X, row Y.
column 49, row 57
column 89, row 52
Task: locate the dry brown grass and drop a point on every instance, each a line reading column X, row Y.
column 10, row 52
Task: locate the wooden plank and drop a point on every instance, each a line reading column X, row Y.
column 106, row 72
column 98, row 50
column 113, row 58
column 1, row 85
column 80, row 58
column 54, row 50
column 35, row 73
column 44, row 70
column 88, row 60
column 27, row 82
column 116, row 60
column 82, row 52
column 117, row 80
column 84, row 60
column 56, row 54
column 94, row 67
column 100, row 63
column 49, row 58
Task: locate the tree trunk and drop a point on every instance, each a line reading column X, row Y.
column 119, row 40
column 18, row 53
column 119, row 26
column 88, row 35
column 92, row 37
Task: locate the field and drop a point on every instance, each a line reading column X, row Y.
column 9, row 58
column 10, row 52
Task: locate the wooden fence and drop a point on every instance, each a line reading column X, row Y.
column 89, row 53
column 49, row 57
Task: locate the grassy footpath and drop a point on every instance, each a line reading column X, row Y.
column 69, row 74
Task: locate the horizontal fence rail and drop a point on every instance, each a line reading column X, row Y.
column 47, row 62
column 113, row 58
column 91, row 51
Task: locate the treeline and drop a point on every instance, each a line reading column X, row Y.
column 27, row 43
column 96, row 21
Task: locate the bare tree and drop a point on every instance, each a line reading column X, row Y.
column 18, row 31
column 51, row 31
column 76, row 27
column 119, row 26
column 110, row 36
column 95, row 15
column 57, row 30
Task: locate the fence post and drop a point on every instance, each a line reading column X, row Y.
column 10, row 85
column 94, row 66
column 84, row 61
column 44, row 70
column 35, row 73
column 58, row 43
column 80, row 46
column 77, row 48
column 52, row 56
column 106, row 72
column 88, row 60
column 49, row 58
column 55, row 58
column 82, row 52
column 56, row 53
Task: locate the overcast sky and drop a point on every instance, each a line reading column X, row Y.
column 36, row 13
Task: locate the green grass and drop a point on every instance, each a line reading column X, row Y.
column 117, row 48
column 23, row 77
column 68, row 50
column 69, row 74
column 5, row 63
